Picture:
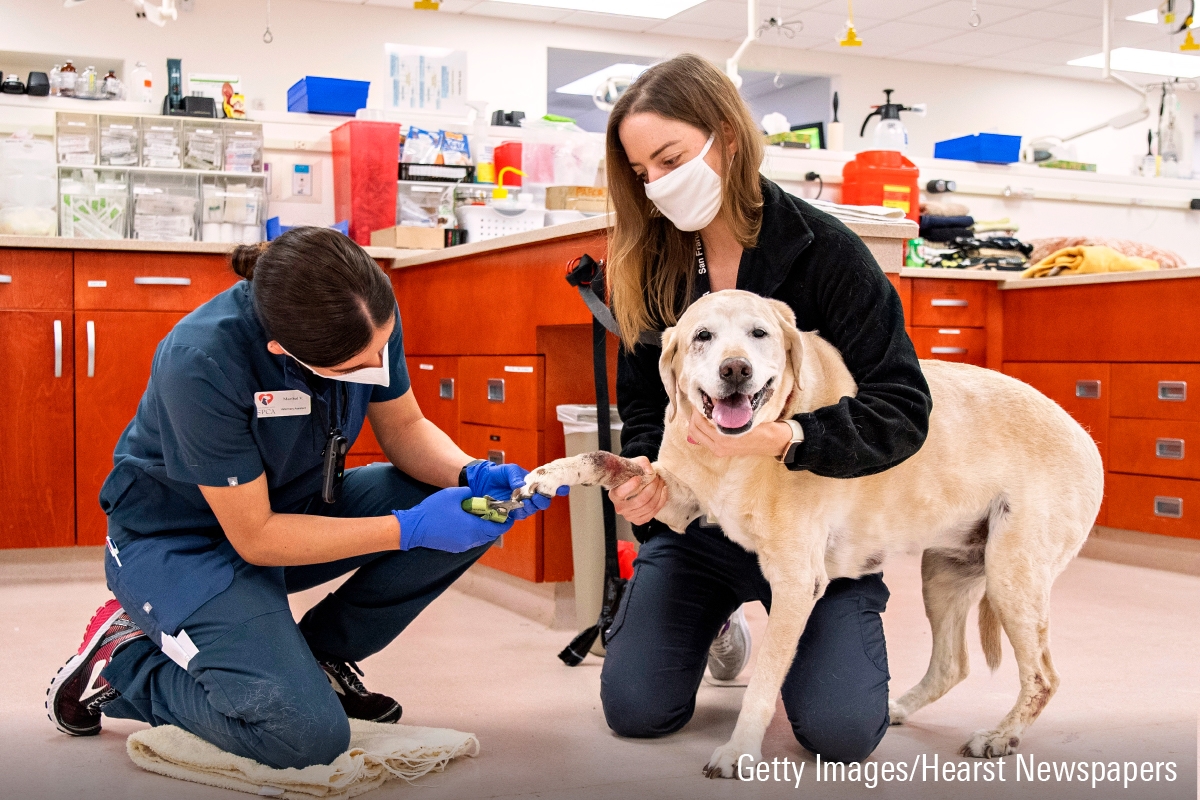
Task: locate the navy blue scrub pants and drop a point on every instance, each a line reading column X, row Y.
column 682, row 591
column 254, row 688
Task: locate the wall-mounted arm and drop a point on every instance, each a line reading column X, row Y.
column 731, row 65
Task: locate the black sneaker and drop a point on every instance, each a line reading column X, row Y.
column 77, row 692
column 356, row 700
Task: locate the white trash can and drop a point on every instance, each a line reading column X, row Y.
column 581, row 432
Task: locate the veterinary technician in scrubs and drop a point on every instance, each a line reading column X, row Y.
column 220, row 505
column 693, row 215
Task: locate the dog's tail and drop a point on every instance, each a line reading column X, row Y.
column 989, row 633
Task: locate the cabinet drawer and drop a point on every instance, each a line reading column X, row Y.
column 436, row 387
column 1082, row 389
column 1156, row 391
column 1170, row 506
column 148, row 281
column 1170, row 448
column 35, row 279
column 502, row 390
column 968, row 345
column 949, row 303
column 518, row 552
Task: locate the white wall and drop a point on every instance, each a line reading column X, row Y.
column 507, row 64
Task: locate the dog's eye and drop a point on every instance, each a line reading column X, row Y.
column 758, row 333
column 703, row 336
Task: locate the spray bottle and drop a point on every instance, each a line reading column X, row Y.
column 890, row 133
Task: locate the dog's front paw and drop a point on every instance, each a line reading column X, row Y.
column 541, row 481
column 728, row 759
column 990, row 744
column 897, row 714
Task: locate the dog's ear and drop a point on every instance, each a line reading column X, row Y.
column 666, row 369
column 794, row 345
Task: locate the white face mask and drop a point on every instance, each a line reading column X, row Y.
column 378, row 376
column 690, row 194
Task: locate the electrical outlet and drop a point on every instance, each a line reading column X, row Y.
column 302, row 180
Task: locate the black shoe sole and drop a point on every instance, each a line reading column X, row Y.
column 391, row 717
column 61, row 678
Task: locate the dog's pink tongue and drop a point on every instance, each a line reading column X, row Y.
column 733, row 411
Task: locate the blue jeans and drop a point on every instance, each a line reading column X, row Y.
column 682, row 591
column 255, row 688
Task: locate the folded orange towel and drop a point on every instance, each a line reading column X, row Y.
column 1087, row 259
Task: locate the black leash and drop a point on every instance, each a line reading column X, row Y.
column 587, row 275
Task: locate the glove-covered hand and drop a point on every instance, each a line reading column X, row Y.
column 498, row 482
column 439, row 523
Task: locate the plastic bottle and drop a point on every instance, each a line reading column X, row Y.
column 87, row 84
column 141, row 84
column 56, row 80
column 68, row 77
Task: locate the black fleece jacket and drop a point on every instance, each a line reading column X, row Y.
column 816, row 265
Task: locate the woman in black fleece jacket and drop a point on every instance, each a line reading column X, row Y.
column 685, row 115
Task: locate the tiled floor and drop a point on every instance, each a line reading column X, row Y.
column 1126, row 641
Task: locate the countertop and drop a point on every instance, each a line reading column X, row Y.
column 139, row 246
column 1009, row 280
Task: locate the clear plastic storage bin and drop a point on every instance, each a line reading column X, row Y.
column 77, row 136
column 120, row 141
column 243, row 147
column 202, row 144
column 165, row 207
column 425, row 205
column 28, row 186
column 232, row 209
column 93, row 203
column 161, row 143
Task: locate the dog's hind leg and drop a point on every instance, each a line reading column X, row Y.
column 951, row 580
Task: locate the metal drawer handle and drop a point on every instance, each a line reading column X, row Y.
column 1089, row 390
column 495, row 390
column 949, row 331
column 496, row 456
column 1172, row 391
column 519, row 369
column 1170, row 507
column 428, row 367
column 942, row 302
column 58, row 348
column 937, row 351
column 5, row 278
column 446, row 388
column 1169, row 448
column 91, row 339
column 155, row 280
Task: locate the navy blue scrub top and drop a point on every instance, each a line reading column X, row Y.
column 197, row 424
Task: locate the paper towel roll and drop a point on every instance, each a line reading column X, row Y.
column 211, row 232
column 835, row 137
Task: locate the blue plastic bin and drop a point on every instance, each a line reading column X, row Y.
column 275, row 230
column 991, row 148
column 314, row 95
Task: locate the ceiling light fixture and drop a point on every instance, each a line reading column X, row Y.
column 588, row 83
column 1146, row 62
column 651, row 9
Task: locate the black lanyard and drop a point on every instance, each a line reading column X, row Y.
column 703, row 285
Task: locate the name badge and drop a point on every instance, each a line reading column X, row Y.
column 286, row 403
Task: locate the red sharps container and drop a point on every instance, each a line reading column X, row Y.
column 366, row 165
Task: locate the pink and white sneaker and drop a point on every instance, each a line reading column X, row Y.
column 77, row 692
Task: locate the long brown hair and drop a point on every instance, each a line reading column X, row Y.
column 317, row 293
column 649, row 259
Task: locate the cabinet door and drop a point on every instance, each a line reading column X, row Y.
column 115, row 351
column 508, row 391
column 435, row 386
column 967, row 345
column 37, row 434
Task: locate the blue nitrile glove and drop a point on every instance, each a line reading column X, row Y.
column 439, row 523
column 498, row 481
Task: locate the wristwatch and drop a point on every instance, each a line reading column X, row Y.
column 789, row 455
column 462, row 473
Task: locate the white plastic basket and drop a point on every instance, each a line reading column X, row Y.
column 488, row 222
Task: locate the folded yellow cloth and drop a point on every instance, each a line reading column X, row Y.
column 377, row 754
column 1087, row 259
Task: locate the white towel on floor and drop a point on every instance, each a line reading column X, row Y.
column 377, row 754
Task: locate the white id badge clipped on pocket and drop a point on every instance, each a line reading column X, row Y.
column 284, row 403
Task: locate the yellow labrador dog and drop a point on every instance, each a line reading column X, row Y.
column 999, row 499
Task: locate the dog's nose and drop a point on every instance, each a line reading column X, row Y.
column 736, row 370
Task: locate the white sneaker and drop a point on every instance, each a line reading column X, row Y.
column 730, row 651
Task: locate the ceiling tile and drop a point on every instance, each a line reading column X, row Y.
column 691, row 30
column 955, row 13
column 1029, row 5
column 927, row 56
column 1093, row 9
column 517, row 11
column 615, row 22
column 875, row 9
column 825, row 26
column 980, row 44
column 717, row 13
column 1045, row 25
column 1049, row 53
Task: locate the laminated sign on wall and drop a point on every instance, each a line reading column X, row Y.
column 428, row 78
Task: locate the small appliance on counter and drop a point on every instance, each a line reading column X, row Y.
column 12, row 84
column 37, row 85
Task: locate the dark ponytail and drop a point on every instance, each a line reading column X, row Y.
column 317, row 293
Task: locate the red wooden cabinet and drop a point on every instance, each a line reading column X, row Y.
column 114, row 353
column 37, row 432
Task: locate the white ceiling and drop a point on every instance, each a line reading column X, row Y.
column 1037, row 36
